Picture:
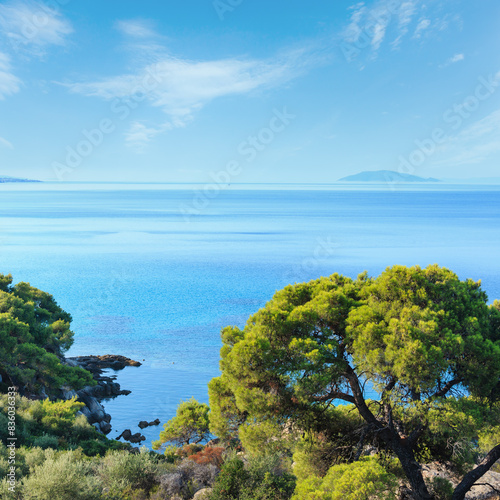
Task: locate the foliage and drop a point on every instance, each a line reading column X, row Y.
column 190, row 424
column 121, row 471
column 264, row 478
column 34, row 334
column 119, row 475
column 331, row 440
column 266, row 438
column 426, row 344
column 187, row 478
column 225, row 417
column 362, row 480
column 59, row 477
column 54, row 424
column 209, row 455
column 441, row 488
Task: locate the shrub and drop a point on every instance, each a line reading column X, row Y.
column 231, row 479
column 442, row 488
column 188, row 478
column 120, row 469
column 46, row 441
column 63, row 475
column 209, row 455
column 55, row 424
column 34, row 456
column 362, row 480
column 264, row 478
column 171, row 454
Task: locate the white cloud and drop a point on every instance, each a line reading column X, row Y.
column 180, row 87
column 473, row 145
column 136, row 28
column 378, row 35
column 139, row 135
column 422, row 25
column 405, row 15
column 30, row 26
column 4, row 143
column 370, row 26
column 9, row 83
column 456, row 58
column 452, row 60
column 354, row 30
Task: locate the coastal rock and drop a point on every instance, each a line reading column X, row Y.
column 486, row 488
column 99, row 363
column 126, row 434
column 105, row 427
column 202, row 494
column 144, row 423
column 132, row 438
column 105, row 388
column 67, row 393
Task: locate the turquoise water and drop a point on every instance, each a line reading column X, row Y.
column 143, row 280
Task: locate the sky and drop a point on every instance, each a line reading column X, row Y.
column 252, row 91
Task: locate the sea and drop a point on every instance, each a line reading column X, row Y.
column 154, row 271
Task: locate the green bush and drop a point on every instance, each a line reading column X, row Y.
column 442, row 488
column 263, row 478
column 230, row 481
column 55, row 424
column 62, row 476
column 363, row 480
column 46, row 441
column 120, row 470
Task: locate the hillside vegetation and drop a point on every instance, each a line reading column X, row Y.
column 338, row 388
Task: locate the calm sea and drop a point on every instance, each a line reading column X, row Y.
column 154, row 272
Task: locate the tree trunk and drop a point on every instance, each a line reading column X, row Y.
column 471, row 477
column 401, row 448
column 411, row 469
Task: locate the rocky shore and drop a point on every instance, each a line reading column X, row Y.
column 106, row 386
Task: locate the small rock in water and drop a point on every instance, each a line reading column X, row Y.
column 132, row 438
column 144, row 423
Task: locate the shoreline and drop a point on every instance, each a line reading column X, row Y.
column 106, row 387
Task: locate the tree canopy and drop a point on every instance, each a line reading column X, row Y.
column 410, row 351
column 34, row 334
column 190, row 425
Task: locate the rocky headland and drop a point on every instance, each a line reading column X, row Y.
column 106, row 386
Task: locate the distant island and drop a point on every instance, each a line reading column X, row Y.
column 5, row 178
column 385, row 176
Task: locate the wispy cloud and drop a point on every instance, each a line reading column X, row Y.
column 388, row 21
column 181, row 87
column 354, row 30
column 4, row 143
column 452, row 60
column 9, row 83
column 369, row 26
column 27, row 28
column 405, row 16
column 136, row 28
column 474, row 144
column 31, row 27
column 422, row 26
column 139, row 135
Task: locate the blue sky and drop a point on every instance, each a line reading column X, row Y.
column 249, row 90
